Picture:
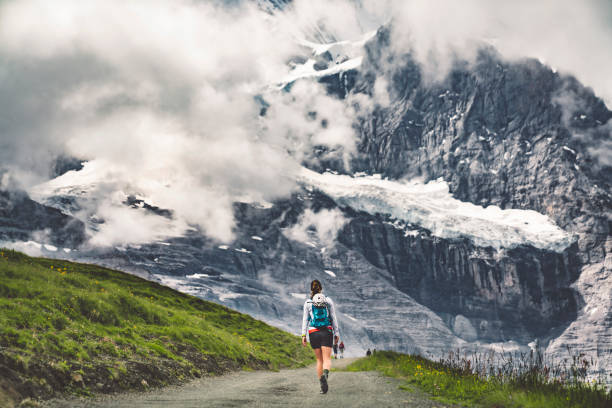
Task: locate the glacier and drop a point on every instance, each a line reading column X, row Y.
column 433, row 207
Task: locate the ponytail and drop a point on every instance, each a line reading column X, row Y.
column 315, row 287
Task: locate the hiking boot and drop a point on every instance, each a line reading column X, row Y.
column 323, row 381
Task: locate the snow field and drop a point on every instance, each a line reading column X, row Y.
column 433, row 207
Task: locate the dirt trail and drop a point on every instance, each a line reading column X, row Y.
column 295, row 388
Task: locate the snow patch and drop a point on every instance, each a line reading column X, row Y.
column 330, row 273
column 228, row 295
column 307, row 70
column 345, row 55
column 340, row 48
column 197, row 276
column 505, row 347
column 567, row 149
column 256, row 238
column 432, row 207
column 73, row 182
column 178, row 284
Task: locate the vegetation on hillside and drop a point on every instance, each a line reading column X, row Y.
column 70, row 327
column 460, row 380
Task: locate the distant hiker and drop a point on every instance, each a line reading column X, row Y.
column 368, row 353
column 335, row 350
column 320, row 320
column 341, row 347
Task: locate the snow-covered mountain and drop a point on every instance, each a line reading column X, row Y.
column 475, row 212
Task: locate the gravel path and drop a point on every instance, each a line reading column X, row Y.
column 296, row 388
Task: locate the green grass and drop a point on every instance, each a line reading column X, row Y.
column 447, row 384
column 78, row 316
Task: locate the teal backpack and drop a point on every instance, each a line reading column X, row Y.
column 320, row 312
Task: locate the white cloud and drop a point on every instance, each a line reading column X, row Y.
column 307, row 117
column 125, row 225
column 162, row 92
column 324, row 225
column 571, row 36
column 598, row 140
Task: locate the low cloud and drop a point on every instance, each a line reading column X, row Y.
column 307, row 117
column 323, row 225
column 163, row 94
column 598, row 139
column 572, row 37
column 125, row 225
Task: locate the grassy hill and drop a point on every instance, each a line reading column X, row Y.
column 75, row 328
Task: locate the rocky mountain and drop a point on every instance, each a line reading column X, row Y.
column 514, row 135
column 412, row 267
column 23, row 219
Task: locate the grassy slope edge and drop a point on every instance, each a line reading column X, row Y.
column 447, row 385
column 75, row 328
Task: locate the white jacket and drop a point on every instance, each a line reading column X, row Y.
column 308, row 317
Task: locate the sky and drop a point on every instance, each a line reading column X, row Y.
column 161, row 93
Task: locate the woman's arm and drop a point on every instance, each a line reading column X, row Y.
column 305, row 319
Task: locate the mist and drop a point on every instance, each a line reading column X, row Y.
column 572, row 37
column 162, row 94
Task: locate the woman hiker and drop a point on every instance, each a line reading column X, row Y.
column 320, row 321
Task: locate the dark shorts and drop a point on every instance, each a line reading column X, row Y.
column 323, row 337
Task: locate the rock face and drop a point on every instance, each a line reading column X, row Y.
column 21, row 217
column 507, row 295
column 515, row 135
column 499, row 133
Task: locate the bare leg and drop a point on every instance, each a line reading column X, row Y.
column 326, row 357
column 319, row 356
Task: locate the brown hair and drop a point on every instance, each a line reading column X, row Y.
column 315, row 287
